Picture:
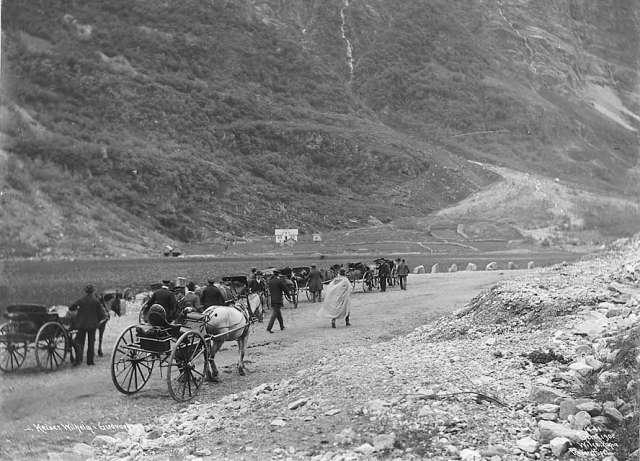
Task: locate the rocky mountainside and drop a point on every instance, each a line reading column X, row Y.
column 126, row 124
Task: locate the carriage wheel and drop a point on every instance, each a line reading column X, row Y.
column 187, row 366
column 294, row 293
column 308, row 292
column 51, row 346
column 367, row 283
column 375, row 282
column 292, row 297
column 12, row 353
column 130, row 367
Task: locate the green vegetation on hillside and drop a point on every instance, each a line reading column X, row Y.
column 191, row 119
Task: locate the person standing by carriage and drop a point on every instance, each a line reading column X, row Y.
column 383, row 274
column 211, row 295
column 166, row 299
column 277, row 289
column 190, row 300
column 315, row 283
column 403, row 271
column 89, row 315
column 252, row 281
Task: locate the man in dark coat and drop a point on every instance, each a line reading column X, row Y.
column 252, row 281
column 191, row 300
column 88, row 317
column 383, row 273
column 212, row 296
column 403, row 271
column 315, row 283
column 277, row 289
column 166, row 299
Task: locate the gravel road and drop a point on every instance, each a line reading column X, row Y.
column 35, row 404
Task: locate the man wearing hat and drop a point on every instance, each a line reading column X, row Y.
column 277, row 288
column 252, row 281
column 315, row 283
column 88, row 317
column 211, row 295
column 166, row 299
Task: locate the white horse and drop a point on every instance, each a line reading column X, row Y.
column 231, row 323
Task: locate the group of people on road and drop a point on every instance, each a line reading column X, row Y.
column 194, row 299
column 385, row 273
column 89, row 312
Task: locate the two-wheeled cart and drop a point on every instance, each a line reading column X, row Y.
column 37, row 327
column 181, row 350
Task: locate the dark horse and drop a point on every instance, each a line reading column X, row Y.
column 110, row 300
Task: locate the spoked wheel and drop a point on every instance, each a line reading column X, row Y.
column 131, row 367
column 376, row 282
column 187, row 366
column 367, row 283
column 51, row 346
column 294, row 293
column 13, row 352
column 292, row 297
column 143, row 314
column 308, row 292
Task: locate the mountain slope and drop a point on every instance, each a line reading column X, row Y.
column 185, row 120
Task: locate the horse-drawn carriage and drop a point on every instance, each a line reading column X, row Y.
column 185, row 347
column 392, row 278
column 296, row 278
column 362, row 274
column 300, row 277
column 38, row 327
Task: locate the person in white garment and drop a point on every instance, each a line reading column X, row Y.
column 337, row 300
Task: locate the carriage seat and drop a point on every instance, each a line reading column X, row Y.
column 16, row 316
column 30, row 317
column 157, row 332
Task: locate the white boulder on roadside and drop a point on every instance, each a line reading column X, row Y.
column 83, row 449
column 550, row 430
column 470, row 455
column 104, row 441
column 559, row 445
column 543, row 394
column 580, row 420
column 471, row 267
column 365, row 449
column 593, row 324
column 382, row 442
column 528, row 445
column 419, row 269
column 492, row 266
column 548, row 408
column 581, row 368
